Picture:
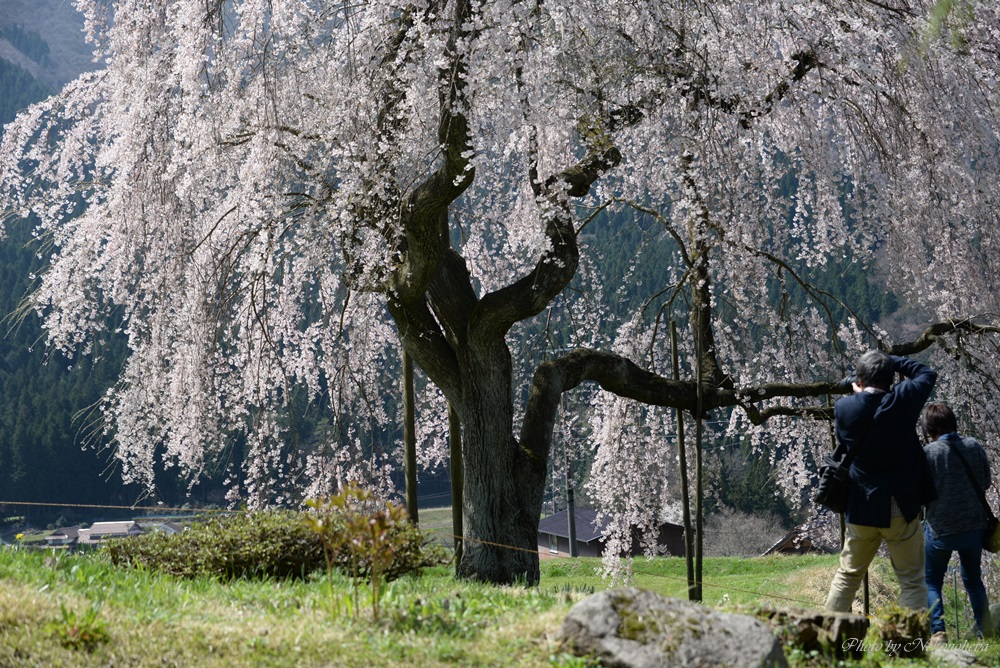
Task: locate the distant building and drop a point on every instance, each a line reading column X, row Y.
column 802, row 539
column 553, row 535
column 102, row 531
column 65, row 537
column 170, row 528
column 160, row 526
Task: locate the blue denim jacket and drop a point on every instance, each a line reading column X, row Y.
column 957, row 508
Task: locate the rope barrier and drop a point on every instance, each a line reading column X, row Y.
column 160, row 509
column 808, row 604
column 464, row 539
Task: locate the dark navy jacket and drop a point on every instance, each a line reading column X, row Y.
column 891, row 462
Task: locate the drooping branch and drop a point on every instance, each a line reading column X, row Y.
column 815, row 293
column 932, row 334
column 804, row 62
column 696, row 87
column 621, row 376
column 698, row 90
column 759, row 417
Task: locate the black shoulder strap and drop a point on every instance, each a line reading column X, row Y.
column 972, row 477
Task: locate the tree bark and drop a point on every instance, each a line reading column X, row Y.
column 503, row 487
column 457, row 468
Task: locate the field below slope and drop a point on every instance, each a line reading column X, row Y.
column 79, row 611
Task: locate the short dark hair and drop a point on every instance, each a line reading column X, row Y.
column 937, row 420
column 875, row 369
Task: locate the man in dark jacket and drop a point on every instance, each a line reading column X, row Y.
column 890, row 476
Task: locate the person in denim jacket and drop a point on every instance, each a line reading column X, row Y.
column 956, row 519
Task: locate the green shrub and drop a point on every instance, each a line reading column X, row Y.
column 370, row 539
column 245, row 545
column 273, row 543
column 361, row 532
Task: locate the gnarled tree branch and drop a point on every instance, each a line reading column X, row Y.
column 621, row 376
column 424, row 215
column 498, row 311
column 931, row 335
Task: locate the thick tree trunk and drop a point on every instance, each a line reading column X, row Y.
column 503, row 490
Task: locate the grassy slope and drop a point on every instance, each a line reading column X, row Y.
column 787, row 581
column 153, row 620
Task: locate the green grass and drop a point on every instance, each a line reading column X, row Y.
column 141, row 619
column 157, row 620
column 436, row 524
column 779, row 580
column 33, row 537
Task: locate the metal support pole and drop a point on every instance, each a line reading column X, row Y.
column 571, row 516
column 682, row 455
column 409, row 438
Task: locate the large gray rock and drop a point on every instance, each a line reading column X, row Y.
column 632, row 628
column 994, row 622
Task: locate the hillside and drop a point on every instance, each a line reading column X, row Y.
column 75, row 610
column 56, row 23
column 41, row 460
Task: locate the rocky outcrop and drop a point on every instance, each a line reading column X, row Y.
column 632, row 628
column 838, row 634
column 948, row 657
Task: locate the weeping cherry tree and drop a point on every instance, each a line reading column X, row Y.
column 272, row 195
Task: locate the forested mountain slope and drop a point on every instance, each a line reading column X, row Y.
column 46, row 39
column 41, row 455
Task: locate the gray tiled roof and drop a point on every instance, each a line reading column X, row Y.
column 586, row 528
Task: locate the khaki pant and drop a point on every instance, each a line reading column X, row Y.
column 905, row 541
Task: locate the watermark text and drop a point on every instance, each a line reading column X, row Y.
column 910, row 647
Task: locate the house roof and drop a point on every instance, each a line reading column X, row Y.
column 112, row 527
column 587, row 528
column 802, row 538
column 65, row 532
